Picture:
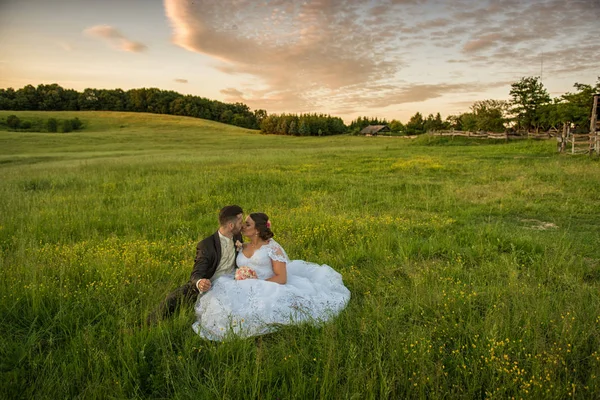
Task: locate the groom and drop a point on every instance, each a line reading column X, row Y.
column 215, row 256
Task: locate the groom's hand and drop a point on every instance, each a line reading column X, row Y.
column 203, row 285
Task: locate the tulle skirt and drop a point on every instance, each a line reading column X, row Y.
column 313, row 293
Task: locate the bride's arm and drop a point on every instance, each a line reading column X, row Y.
column 279, row 268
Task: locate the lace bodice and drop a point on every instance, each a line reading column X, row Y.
column 261, row 259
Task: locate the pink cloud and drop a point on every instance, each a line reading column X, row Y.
column 315, row 45
column 115, row 38
column 322, row 54
column 233, row 94
column 481, row 43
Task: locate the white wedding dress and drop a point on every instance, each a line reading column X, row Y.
column 313, row 293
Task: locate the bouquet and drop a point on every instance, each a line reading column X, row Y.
column 245, row 273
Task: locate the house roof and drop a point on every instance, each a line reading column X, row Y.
column 373, row 129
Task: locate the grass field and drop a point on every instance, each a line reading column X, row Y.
column 474, row 267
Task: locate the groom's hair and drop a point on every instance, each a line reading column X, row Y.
column 229, row 214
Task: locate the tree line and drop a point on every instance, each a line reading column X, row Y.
column 55, row 98
column 303, row 125
column 530, row 108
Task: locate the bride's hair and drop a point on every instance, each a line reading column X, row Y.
column 260, row 223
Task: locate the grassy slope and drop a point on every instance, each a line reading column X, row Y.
column 454, row 289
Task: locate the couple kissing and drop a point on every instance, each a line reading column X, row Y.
column 248, row 289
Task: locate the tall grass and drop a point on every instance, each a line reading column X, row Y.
column 474, row 267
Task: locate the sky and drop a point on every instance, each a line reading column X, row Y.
column 348, row 58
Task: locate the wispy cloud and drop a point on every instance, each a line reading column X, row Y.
column 232, row 93
column 115, row 38
column 303, row 56
column 179, row 80
column 481, row 43
column 296, row 50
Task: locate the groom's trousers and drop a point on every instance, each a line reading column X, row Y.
column 185, row 294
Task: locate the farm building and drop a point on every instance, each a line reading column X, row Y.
column 373, row 130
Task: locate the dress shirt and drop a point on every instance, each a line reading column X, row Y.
column 227, row 263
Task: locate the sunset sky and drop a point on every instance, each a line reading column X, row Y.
column 388, row 58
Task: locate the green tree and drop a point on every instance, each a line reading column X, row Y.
column 282, row 125
column 468, row 121
column 528, row 96
column 259, row 116
column 438, row 124
column 26, row 98
column 71, row 98
column 226, row 116
column 304, row 129
column 52, row 125
column 577, row 107
column 136, row 100
column 489, row 115
column 51, row 97
column 433, row 123
column 239, row 120
column 89, row 100
column 416, row 125
column 553, row 115
column 7, row 99
column 454, row 122
column 269, row 124
column 293, row 130
column 112, row 100
column 396, row 126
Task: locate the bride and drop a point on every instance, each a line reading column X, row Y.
column 282, row 291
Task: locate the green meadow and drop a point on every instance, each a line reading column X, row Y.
column 474, row 266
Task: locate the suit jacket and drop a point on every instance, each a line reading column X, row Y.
column 208, row 256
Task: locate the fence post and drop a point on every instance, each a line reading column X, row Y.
column 594, row 138
column 594, row 116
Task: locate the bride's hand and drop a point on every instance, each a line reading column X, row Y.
column 244, row 272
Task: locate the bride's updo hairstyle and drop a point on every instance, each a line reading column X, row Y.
column 262, row 225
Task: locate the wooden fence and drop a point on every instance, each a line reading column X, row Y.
column 587, row 143
column 494, row 135
column 581, row 143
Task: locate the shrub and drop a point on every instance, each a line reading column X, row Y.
column 25, row 125
column 76, row 124
column 13, row 122
column 52, row 125
column 66, row 126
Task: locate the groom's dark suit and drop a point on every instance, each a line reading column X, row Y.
column 208, row 256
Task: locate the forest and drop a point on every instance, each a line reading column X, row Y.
column 529, row 108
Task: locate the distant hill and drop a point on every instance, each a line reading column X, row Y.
column 112, row 122
column 53, row 97
column 107, row 135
